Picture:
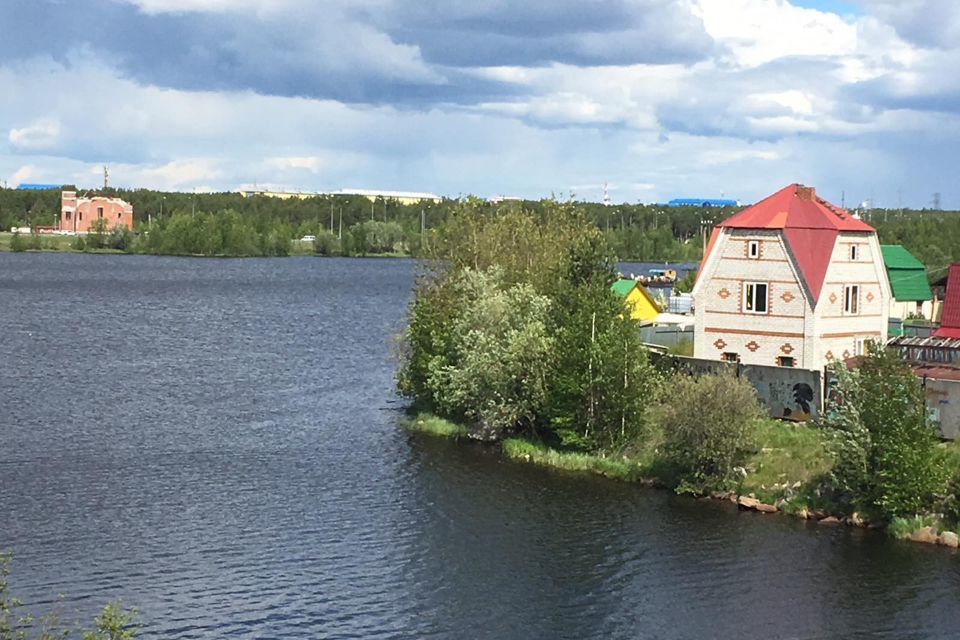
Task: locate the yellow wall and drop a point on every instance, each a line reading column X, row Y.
column 642, row 307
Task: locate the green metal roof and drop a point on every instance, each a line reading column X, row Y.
column 896, row 257
column 909, row 284
column 623, row 287
column 908, row 276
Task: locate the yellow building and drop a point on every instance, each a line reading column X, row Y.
column 642, row 306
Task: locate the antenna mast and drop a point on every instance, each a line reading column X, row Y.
column 106, row 177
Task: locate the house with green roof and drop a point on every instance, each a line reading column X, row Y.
column 908, row 283
column 641, row 305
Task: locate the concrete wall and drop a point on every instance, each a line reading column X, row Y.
column 666, row 336
column 943, row 406
column 793, row 394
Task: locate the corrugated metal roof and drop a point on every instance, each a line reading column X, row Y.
column 950, row 317
column 896, row 257
column 623, row 287
column 909, row 285
column 810, row 227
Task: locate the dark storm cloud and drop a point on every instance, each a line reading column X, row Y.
column 406, row 54
column 619, row 32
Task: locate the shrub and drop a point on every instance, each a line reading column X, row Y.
column 708, row 425
column 494, row 373
column 326, row 244
column 885, row 448
column 17, row 243
column 78, row 243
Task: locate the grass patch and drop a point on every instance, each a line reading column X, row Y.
column 539, row 454
column 682, row 348
column 788, row 453
column 434, row 426
column 903, row 528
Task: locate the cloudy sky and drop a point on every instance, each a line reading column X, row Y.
column 657, row 98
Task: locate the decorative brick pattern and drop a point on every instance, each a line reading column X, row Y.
column 829, row 356
column 752, row 346
column 720, row 344
column 833, row 298
column 846, row 354
column 724, row 293
column 787, row 297
column 787, row 348
column 869, row 296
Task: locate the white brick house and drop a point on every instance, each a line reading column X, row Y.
column 791, row 281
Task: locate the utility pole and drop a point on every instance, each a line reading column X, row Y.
column 331, row 216
column 340, row 232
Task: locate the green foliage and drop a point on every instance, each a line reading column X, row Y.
column 17, row 243
column 494, row 371
column 221, row 234
column 708, row 430
column 886, row 455
column 603, row 379
column 78, row 243
column 326, row 243
column 611, row 467
column 685, row 284
column 113, row 623
column 98, row 235
column 432, row 425
column 372, row 236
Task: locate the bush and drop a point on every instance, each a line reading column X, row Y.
column 887, row 461
column 78, row 243
column 17, row 243
column 495, row 369
column 708, row 425
column 326, row 244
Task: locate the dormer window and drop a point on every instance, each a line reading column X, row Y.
column 854, row 253
column 753, row 249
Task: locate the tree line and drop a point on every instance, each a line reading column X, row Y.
column 632, row 231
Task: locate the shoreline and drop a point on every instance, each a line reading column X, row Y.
column 525, row 451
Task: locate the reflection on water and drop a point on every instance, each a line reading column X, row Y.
column 216, row 443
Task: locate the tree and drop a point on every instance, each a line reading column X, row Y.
column 885, row 448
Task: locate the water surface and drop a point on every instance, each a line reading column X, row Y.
column 216, row 443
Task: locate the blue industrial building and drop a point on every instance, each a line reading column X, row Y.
column 30, row 186
column 703, row 202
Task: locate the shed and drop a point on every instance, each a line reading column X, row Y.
column 908, row 282
column 637, row 298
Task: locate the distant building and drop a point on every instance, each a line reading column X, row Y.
column 403, row 197
column 705, row 203
column 642, row 306
column 79, row 215
column 908, row 283
column 31, row 186
column 792, row 281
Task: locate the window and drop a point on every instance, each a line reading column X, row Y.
column 853, row 252
column 99, row 212
column 755, row 297
column 785, row 361
column 753, row 249
column 67, row 215
column 80, row 216
column 730, row 357
column 860, row 347
column 118, row 216
column 851, row 299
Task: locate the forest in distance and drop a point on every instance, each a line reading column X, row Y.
column 232, row 224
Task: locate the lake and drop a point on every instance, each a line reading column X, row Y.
column 216, row 443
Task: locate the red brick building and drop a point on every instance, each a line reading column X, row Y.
column 79, row 215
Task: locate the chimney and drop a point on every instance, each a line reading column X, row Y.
column 806, row 193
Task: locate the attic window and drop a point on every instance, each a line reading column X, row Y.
column 755, row 297
column 854, row 253
column 753, row 249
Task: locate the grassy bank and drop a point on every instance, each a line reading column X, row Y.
column 621, row 468
column 432, row 425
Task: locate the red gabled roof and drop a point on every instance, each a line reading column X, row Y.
column 950, row 316
column 810, row 228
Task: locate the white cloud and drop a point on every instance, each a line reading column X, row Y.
column 39, row 134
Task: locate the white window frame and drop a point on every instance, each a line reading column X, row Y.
column 782, row 359
column 747, row 294
column 851, row 300
column 854, row 252
column 753, row 249
column 860, row 346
